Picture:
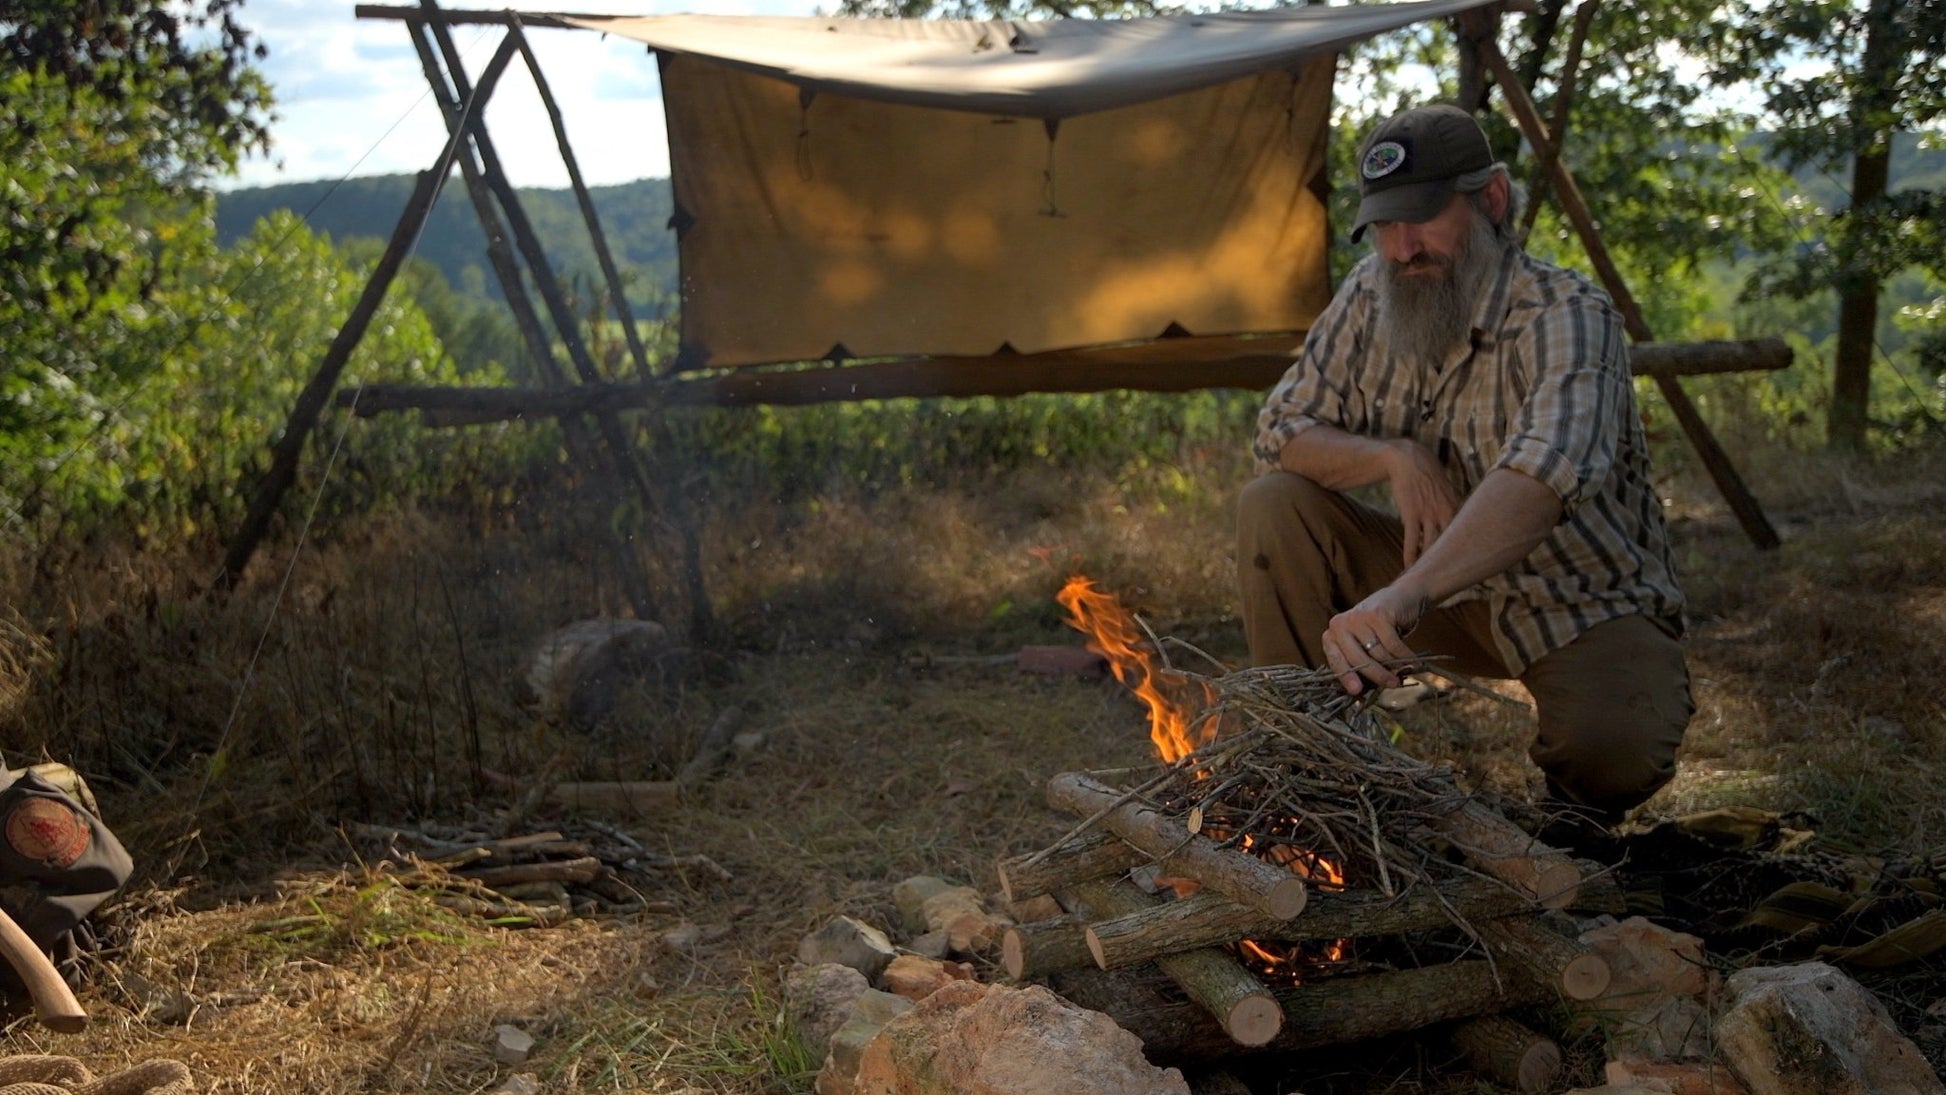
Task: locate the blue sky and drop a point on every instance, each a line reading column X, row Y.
column 351, row 99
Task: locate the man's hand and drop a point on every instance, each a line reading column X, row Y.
column 1360, row 641
column 1423, row 495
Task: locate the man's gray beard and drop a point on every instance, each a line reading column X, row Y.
column 1424, row 317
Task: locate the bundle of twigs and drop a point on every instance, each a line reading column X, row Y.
column 1298, row 769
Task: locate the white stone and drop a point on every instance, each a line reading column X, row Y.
column 848, row 942
column 973, row 1039
column 511, row 1045
column 911, row 896
column 819, row 999
column 1810, row 1030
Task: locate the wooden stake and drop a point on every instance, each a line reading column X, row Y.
column 289, row 446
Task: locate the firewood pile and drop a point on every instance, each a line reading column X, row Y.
column 537, row 879
column 1296, row 881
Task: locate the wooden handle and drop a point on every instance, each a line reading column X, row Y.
column 54, row 1003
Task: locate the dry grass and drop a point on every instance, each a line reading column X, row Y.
column 229, row 738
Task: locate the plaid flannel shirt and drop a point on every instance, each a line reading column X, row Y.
column 1543, row 387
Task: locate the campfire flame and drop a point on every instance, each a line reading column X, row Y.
column 1112, row 632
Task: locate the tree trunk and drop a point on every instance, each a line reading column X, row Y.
column 1858, row 283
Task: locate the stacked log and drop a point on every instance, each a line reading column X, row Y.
column 1165, row 967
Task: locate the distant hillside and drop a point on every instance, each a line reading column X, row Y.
column 1912, row 168
column 634, row 216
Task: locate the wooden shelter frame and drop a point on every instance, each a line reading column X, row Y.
column 588, row 404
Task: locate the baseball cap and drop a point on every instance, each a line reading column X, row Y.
column 1408, row 166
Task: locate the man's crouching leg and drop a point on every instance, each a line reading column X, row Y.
column 1612, row 708
column 1304, row 554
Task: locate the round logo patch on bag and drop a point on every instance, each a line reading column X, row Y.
column 47, row 831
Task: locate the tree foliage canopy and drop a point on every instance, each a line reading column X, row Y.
column 112, row 114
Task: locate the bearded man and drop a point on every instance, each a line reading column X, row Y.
column 1490, row 391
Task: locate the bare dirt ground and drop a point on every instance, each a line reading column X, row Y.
column 236, row 744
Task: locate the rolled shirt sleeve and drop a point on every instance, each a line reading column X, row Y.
column 1318, row 386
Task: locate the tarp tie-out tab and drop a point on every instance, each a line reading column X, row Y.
column 805, row 96
column 1051, row 207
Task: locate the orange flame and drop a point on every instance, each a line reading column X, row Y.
column 1113, row 634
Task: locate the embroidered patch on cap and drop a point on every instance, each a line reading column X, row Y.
column 47, row 831
column 1384, row 158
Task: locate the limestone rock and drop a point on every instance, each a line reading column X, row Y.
column 820, row 999
column 931, row 945
column 1657, row 1003
column 1674, row 1077
column 911, row 896
column 511, row 1045
column 1810, row 1030
column 873, row 1010
column 916, row 978
column 973, row 1039
column 961, row 913
column 848, row 942
column 577, row 673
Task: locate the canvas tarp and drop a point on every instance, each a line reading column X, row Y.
column 866, row 188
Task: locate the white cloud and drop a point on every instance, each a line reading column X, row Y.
column 352, row 98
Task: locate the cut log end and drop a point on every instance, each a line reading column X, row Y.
column 1254, row 1020
column 1586, row 977
column 1286, row 900
column 1013, row 953
column 1538, row 1068
column 1510, row 1053
column 1557, row 885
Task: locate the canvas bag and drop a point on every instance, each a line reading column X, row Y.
column 58, row 862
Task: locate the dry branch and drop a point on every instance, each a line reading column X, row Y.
column 568, row 870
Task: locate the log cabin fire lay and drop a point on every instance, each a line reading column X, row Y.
column 1286, row 877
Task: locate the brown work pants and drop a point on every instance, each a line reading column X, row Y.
column 1611, row 705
